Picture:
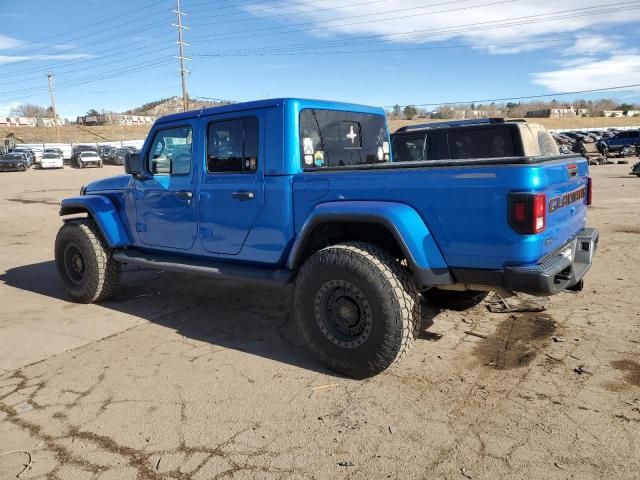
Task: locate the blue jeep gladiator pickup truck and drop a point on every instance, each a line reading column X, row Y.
column 306, row 192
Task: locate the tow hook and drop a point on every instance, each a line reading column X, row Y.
column 577, row 287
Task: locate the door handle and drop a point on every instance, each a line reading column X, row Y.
column 242, row 196
column 184, row 194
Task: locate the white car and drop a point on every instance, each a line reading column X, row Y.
column 89, row 159
column 51, row 160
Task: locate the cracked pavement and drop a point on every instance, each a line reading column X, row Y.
column 182, row 377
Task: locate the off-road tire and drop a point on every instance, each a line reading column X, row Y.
column 95, row 276
column 454, row 299
column 385, row 300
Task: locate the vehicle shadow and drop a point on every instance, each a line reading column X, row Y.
column 248, row 318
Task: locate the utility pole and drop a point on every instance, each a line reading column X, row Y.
column 181, row 44
column 53, row 105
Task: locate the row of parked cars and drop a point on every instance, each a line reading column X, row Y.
column 85, row 156
column 608, row 142
column 22, row 158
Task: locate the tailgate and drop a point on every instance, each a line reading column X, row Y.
column 566, row 186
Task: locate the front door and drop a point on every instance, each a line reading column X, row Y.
column 165, row 199
column 232, row 187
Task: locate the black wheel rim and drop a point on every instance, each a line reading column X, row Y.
column 74, row 264
column 343, row 314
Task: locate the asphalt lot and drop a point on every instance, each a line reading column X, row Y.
column 183, row 377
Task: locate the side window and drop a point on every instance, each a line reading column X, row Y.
column 331, row 138
column 408, row 148
column 548, row 146
column 232, row 146
column 170, row 152
column 481, row 143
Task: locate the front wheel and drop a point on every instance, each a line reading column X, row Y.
column 454, row 299
column 86, row 267
column 357, row 308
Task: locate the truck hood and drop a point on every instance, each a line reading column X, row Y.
column 119, row 182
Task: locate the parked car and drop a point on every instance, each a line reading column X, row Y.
column 27, row 152
column 484, row 138
column 627, row 138
column 37, row 154
column 14, row 161
column 89, row 159
column 103, row 151
column 307, row 192
column 77, row 150
column 51, row 160
column 117, row 156
column 57, row 151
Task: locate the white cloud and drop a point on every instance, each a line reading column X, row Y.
column 593, row 46
column 471, row 21
column 19, row 58
column 621, row 68
column 8, row 42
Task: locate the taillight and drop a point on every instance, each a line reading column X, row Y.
column 589, row 190
column 528, row 212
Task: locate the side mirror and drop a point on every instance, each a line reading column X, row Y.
column 133, row 164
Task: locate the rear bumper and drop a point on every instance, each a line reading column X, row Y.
column 563, row 269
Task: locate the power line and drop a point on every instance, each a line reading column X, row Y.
column 97, row 57
column 445, row 31
column 103, row 21
column 93, row 34
column 529, row 97
column 573, row 13
column 92, row 78
column 332, row 21
column 253, row 16
column 235, row 53
column 93, row 67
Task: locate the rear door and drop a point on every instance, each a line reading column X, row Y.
column 165, row 207
column 231, row 191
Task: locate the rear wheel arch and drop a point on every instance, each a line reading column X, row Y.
column 330, row 230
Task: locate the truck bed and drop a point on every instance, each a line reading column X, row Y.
column 464, row 203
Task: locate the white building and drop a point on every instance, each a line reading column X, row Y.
column 613, row 113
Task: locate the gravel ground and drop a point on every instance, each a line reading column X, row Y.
column 183, row 377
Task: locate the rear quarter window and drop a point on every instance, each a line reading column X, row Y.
column 492, row 142
column 331, row 138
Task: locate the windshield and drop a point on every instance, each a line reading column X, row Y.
column 331, row 138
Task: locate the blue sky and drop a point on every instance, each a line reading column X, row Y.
column 116, row 54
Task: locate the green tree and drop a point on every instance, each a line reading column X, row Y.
column 410, row 112
column 397, row 111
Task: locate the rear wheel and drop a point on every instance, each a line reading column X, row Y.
column 356, row 308
column 454, row 299
column 86, row 267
